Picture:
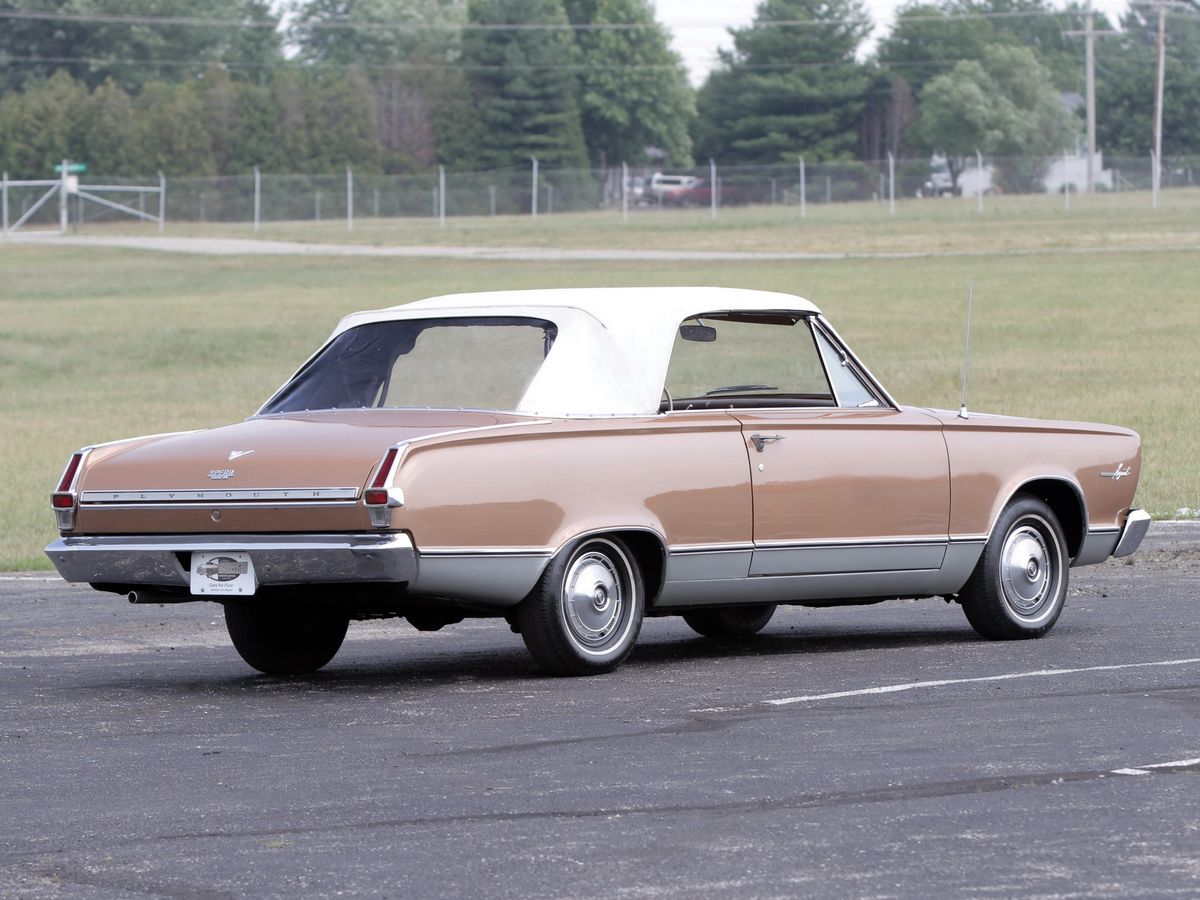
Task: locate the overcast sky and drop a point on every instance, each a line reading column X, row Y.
column 698, row 29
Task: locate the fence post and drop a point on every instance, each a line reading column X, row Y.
column 803, row 190
column 1066, row 185
column 979, row 187
column 828, row 189
column 624, row 195
column 549, row 199
column 492, row 199
column 257, row 199
column 349, row 199
column 162, row 201
column 712, row 187
column 891, row 183
column 4, row 202
column 1154, row 177
column 442, row 196
column 63, row 211
column 772, row 191
column 533, row 195
column 317, row 205
column 375, row 201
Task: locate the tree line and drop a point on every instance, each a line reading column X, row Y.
column 400, row 86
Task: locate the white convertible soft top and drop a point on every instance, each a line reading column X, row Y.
column 613, row 345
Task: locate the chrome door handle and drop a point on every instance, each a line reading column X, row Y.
column 761, row 440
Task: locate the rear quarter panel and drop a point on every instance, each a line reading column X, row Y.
column 686, row 479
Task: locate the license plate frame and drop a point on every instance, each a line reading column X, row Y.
column 222, row 573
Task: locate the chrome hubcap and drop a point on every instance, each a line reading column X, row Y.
column 593, row 599
column 1026, row 570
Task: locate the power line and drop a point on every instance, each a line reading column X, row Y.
column 448, row 67
column 410, row 26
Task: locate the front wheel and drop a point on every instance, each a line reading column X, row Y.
column 1018, row 588
column 280, row 639
column 585, row 613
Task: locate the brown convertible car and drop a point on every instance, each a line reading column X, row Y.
column 573, row 460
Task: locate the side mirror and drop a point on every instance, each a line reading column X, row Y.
column 701, row 334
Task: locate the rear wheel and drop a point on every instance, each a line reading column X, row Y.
column 281, row 639
column 585, row 613
column 1018, row 588
column 736, row 621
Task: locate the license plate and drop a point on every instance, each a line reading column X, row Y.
column 223, row 573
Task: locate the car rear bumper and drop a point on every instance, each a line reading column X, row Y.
column 1136, row 526
column 162, row 560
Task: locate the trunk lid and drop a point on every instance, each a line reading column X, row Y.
column 295, row 473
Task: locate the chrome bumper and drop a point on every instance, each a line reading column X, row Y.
column 1136, row 526
column 278, row 558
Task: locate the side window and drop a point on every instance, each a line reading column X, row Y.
column 745, row 360
column 849, row 387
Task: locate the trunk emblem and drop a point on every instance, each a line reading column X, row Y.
column 238, row 454
column 220, row 474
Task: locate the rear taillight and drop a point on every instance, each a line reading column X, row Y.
column 381, row 498
column 385, row 468
column 62, row 501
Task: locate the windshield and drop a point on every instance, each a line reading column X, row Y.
column 447, row 363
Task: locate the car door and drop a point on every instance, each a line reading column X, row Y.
column 855, row 494
column 846, row 490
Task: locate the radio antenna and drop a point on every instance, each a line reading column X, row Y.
column 962, row 409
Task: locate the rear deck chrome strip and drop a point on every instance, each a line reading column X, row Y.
column 211, row 495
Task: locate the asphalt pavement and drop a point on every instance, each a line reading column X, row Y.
column 880, row 751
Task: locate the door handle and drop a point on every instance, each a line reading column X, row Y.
column 761, row 440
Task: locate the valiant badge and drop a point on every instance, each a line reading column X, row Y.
column 1120, row 472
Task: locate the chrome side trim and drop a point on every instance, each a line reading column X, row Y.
column 1136, row 526
column 278, row 558
column 796, row 588
column 210, row 495
column 813, row 543
column 485, row 552
column 707, row 548
column 848, row 559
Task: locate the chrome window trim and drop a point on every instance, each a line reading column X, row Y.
column 864, row 372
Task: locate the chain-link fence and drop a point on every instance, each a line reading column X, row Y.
column 351, row 196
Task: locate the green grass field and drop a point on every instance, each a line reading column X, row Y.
column 102, row 344
column 1037, row 222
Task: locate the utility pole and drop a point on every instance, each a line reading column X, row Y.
column 1158, row 90
column 1089, row 35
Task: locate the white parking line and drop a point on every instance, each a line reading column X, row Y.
column 919, row 685
column 1009, row 676
column 1145, row 770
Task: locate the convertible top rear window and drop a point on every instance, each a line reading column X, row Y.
column 484, row 362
